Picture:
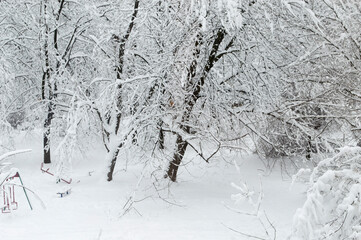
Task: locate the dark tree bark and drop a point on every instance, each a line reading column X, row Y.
column 181, row 145
column 359, row 143
column 56, row 46
column 177, row 158
column 120, row 66
column 46, row 82
column 309, row 148
column 161, row 135
column 112, row 163
column 52, row 90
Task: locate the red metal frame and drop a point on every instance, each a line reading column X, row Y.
column 9, row 197
column 52, row 174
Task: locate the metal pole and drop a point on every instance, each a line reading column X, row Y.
column 25, row 192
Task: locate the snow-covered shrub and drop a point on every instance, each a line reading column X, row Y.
column 333, row 207
column 294, row 132
column 16, row 119
column 286, row 139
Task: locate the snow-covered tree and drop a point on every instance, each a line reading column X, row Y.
column 320, row 77
column 182, row 73
column 43, row 50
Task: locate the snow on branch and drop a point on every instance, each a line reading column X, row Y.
column 6, row 155
column 332, row 208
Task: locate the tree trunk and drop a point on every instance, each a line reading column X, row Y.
column 119, row 69
column 135, row 138
column 181, row 145
column 45, row 81
column 47, row 131
column 308, row 148
column 161, row 135
column 46, row 146
column 177, row 158
column 112, row 163
column 114, row 157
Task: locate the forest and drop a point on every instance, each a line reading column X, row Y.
column 153, row 93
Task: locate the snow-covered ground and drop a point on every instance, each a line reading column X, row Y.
column 198, row 206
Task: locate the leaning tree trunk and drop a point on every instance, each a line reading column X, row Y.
column 113, row 162
column 177, row 158
column 121, row 54
column 181, row 144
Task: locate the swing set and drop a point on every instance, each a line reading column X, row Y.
column 8, row 189
column 8, row 184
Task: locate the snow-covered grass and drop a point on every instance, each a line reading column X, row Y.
column 198, row 206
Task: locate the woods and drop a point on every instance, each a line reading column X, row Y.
column 176, row 74
column 168, row 86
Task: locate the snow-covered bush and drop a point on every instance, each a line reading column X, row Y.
column 333, row 207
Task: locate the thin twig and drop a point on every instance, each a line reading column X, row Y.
column 244, row 234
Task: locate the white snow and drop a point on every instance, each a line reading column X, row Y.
column 332, row 210
column 196, row 207
column 6, row 155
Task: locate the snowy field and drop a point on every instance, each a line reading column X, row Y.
column 198, row 206
column 119, row 95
